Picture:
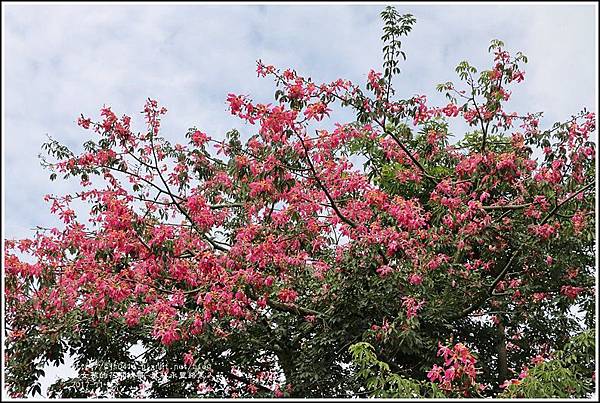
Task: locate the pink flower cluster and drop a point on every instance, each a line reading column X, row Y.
column 458, row 371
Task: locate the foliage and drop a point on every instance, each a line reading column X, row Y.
column 568, row 374
column 381, row 382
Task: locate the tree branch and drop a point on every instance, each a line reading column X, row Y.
column 181, row 209
column 323, row 188
column 298, row 310
column 502, row 273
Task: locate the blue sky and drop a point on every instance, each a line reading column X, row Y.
column 63, row 60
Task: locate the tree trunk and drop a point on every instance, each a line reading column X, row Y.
column 502, row 354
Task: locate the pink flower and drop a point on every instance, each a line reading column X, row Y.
column 197, row 325
column 297, row 90
column 458, row 361
column 132, row 316
column 543, row 231
column 524, row 373
column 578, row 221
column 262, row 302
column 538, row 359
column 317, row 111
column 415, row 279
column 510, row 382
column 450, row 110
column 83, row 122
column 165, row 329
column 199, row 138
column 384, row 271
column 434, row 373
column 494, row 74
column 539, row 296
column 449, row 374
column 570, row 291
column 374, row 78
column 412, row 306
column 269, row 281
column 262, row 70
column 287, row 295
column 235, row 103
column 188, row 359
column 518, row 76
column 277, row 392
column 469, row 115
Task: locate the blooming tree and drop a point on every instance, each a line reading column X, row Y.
column 303, row 261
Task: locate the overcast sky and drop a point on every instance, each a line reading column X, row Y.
column 63, row 60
